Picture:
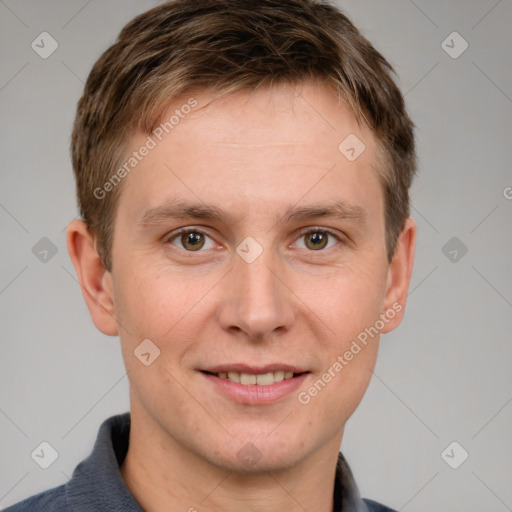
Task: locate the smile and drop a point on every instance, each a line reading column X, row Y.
column 261, row 379
column 255, row 385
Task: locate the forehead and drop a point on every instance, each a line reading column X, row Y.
column 264, row 150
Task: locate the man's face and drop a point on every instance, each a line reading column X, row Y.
column 291, row 298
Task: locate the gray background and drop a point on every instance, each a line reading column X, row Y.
column 444, row 375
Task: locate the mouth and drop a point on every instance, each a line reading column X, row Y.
column 255, row 385
column 260, row 379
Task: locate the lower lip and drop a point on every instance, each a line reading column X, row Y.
column 253, row 394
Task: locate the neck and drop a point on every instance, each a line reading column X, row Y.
column 163, row 475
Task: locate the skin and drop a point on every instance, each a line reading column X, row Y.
column 254, row 156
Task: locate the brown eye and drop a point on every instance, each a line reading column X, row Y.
column 192, row 241
column 316, row 240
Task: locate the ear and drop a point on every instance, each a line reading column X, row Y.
column 94, row 279
column 399, row 276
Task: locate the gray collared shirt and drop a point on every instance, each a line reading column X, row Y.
column 97, row 485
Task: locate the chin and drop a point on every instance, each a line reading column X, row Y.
column 246, row 454
column 251, row 461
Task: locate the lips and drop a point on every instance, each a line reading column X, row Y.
column 261, row 379
column 253, row 385
column 261, row 375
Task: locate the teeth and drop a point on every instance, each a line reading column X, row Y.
column 263, row 379
column 246, row 378
column 233, row 376
column 278, row 376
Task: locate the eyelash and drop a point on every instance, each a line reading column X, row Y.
column 309, row 231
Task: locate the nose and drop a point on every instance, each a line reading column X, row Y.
column 256, row 300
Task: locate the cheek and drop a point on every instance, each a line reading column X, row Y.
column 160, row 305
column 331, row 399
column 347, row 302
column 349, row 310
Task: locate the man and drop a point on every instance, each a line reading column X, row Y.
column 242, row 172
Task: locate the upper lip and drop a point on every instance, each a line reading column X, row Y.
column 254, row 370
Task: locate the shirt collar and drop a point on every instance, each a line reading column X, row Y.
column 97, row 483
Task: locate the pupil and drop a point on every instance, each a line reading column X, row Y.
column 318, row 240
column 193, row 240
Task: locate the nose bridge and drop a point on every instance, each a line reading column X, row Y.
column 258, row 302
column 259, row 280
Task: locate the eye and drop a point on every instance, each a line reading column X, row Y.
column 317, row 240
column 192, row 240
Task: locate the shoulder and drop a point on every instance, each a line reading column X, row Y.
column 373, row 506
column 52, row 500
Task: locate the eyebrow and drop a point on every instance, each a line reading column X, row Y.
column 336, row 209
column 180, row 209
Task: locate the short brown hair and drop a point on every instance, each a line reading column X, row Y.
column 227, row 46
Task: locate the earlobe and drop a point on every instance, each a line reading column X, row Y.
column 399, row 275
column 95, row 281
